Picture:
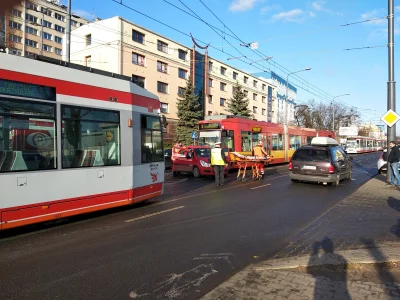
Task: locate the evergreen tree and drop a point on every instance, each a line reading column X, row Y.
column 189, row 114
column 238, row 105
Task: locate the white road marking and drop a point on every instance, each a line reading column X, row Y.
column 154, row 214
column 258, row 187
column 216, row 256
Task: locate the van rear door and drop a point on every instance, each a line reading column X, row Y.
column 311, row 161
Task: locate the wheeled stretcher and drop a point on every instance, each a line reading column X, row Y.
column 255, row 162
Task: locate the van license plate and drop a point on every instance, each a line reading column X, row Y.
column 309, row 168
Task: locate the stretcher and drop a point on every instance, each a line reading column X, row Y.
column 246, row 161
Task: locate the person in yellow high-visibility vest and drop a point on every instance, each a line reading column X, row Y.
column 218, row 161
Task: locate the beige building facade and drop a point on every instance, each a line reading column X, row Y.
column 37, row 27
column 162, row 66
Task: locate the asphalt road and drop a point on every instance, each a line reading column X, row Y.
column 177, row 247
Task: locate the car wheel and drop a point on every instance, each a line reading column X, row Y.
column 196, row 172
column 337, row 181
column 349, row 177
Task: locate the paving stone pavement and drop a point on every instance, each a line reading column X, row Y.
column 362, row 228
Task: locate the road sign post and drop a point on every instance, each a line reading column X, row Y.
column 194, row 137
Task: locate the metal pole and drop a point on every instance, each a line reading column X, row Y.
column 333, row 118
column 23, row 30
column 68, row 33
column 41, row 35
column 391, row 103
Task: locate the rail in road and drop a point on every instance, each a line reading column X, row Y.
column 177, row 247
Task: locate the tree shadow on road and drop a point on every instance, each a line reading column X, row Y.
column 320, row 263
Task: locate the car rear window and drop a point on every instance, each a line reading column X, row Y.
column 311, row 155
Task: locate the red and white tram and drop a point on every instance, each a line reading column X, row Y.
column 73, row 141
column 363, row 144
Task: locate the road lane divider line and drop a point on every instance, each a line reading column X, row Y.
column 153, row 214
column 258, row 187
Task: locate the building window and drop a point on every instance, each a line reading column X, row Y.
column 164, row 108
column 17, row 153
column 31, row 43
column 57, row 39
column 222, row 86
column 88, row 39
column 31, row 18
column 233, row 90
column 31, row 30
column 181, row 91
column 263, row 87
column 137, row 59
column 245, row 79
column 223, row 71
column 74, row 23
column 58, row 51
column 255, row 83
column 264, row 99
column 46, row 48
column 138, row 80
column 16, row 12
column 47, row 36
column 255, row 109
column 46, row 24
column 210, row 99
column 59, row 17
column 182, row 54
column 235, row 75
column 161, row 46
column 15, row 25
column 88, row 61
column 222, row 101
column 15, row 38
column 152, row 148
column 137, row 37
column 246, row 93
column 182, row 73
column 32, row 6
column 209, row 113
column 162, row 87
column 162, row 67
column 15, row 52
column 263, row 111
column 46, row 11
column 210, row 66
column 255, row 97
column 91, row 137
column 210, row 82
column 59, row 28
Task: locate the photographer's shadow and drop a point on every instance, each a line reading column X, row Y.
column 324, row 262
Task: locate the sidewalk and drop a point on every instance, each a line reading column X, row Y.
column 350, row 252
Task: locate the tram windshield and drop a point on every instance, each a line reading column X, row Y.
column 352, row 143
column 209, row 138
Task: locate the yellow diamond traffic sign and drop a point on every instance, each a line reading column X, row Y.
column 390, row 118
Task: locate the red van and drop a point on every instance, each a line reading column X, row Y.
column 196, row 161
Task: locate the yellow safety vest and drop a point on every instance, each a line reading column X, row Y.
column 216, row 157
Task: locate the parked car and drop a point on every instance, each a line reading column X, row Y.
column 382, row 162
column 196, row 160
column 324, row 161
column 167, row 158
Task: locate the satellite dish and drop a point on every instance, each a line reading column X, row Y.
column 254, row 45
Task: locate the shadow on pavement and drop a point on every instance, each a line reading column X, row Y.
column 386, row 277
column 395, row 204
column 323, row 251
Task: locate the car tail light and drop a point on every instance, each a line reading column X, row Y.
column 290, row 166
column 381, row 157
column 331, row 169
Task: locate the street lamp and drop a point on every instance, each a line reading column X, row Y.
column 333, row 110
column 286, row 111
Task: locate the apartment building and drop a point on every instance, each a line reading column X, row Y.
column 162, row 66
column 37, row 27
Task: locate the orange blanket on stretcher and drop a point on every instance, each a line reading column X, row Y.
column 249, row 157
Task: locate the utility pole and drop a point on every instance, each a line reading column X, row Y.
column 68, row 34
column 391, row 101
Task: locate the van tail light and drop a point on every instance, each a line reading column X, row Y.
column 381, row 157
column 331, row 169
column 290, row 166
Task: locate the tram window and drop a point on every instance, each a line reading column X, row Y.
column 227, row 137
column 246, row 141
column 277, row 142
column 152, row 149
column 27, row 136
column 295, row 141
column 90, row 137
column 309, row 140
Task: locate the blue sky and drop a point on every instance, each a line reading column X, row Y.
column 297, row 34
